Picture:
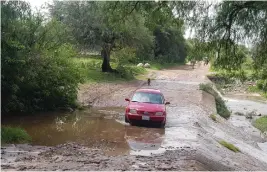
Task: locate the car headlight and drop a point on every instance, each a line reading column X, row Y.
column 159, row 113
column 133, row 111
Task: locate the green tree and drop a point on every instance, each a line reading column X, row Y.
column 229, row 23
column 37, row 74
column 105, row 26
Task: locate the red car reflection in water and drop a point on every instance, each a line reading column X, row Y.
column 146, row 105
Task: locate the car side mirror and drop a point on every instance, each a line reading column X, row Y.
column 167, row 103
column 126, row 99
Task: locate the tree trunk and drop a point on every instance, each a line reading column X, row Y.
column 105, row 53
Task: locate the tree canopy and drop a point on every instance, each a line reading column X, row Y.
column 108, row 26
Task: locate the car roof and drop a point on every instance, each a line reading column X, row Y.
column 149, row 91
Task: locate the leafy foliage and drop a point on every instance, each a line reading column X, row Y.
column 149, row 28
column 37, row 71
column 261, row 124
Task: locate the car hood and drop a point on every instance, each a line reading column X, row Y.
column 147, row 107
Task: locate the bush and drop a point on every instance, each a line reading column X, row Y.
column 261, row 124
column 229, row 146
column 262, row 85
column 222, row 110
column 14, row 135
column 38, row 73
column 44, row 83
column 129, row 72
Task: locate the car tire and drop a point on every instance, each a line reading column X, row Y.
column 126, row 120
column 162, row 125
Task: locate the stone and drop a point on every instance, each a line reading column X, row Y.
column 140, row 65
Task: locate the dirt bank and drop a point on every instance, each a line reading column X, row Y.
column 188, row 142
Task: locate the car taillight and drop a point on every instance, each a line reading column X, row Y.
column 127, row 110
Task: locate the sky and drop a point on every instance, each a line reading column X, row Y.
column 37, row 3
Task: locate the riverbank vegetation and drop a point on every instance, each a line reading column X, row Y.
column 261, row 124
column 14, row 135
column 221, row 108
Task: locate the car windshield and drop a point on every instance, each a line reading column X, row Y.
column 144, row 97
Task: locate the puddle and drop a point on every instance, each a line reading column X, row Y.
column 95, row 128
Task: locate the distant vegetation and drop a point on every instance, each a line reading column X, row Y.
column 229, row 146
column 222, row 109
column 14, row 135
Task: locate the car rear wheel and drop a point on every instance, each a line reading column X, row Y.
column 126, row 119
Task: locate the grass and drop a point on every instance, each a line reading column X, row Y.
column 229, row 146
column 91, row 69
column 221, row 108
column 255, row 89
column 261, row 124
column 14, row 135
column 213, row 117
column 160, row 66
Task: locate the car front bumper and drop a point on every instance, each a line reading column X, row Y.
column 136, row 117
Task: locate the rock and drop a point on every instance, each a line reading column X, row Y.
column 249, row 115
column 140, row 65
column 239, row 113
column 147, row 65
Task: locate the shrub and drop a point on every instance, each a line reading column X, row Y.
column 229, row 146
column 44, row 83
column 38, row 73
column 14, row 135
column 222, row 110
column 129, row 72
column 262, row 85
column 261, row 124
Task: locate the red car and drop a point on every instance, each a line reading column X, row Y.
column 146, row 105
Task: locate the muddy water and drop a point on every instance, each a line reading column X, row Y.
column 95, row 128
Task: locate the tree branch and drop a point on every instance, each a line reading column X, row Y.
column 127, row 14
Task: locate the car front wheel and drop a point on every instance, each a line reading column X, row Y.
column 163, row 124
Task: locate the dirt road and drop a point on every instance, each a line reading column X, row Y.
column 188, row 142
